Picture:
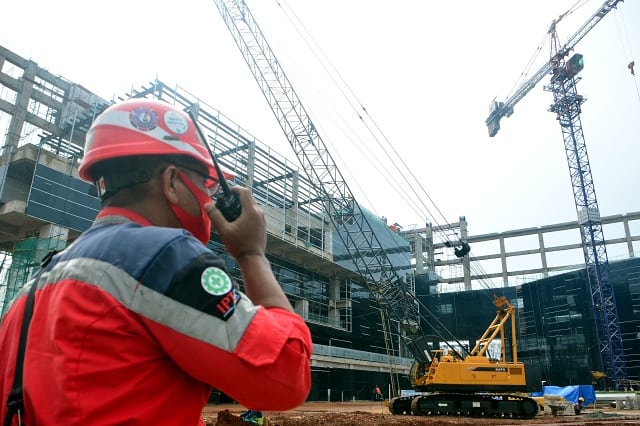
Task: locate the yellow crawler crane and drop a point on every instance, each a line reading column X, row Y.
column 475, row 385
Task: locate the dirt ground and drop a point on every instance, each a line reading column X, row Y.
column 376, row 413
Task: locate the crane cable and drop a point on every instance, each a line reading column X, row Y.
column 524, row 75
column 623, row 33
column 362, row 147
column 363, row 114
column 479, row 272
column 442, row 329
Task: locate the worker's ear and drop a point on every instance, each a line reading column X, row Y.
column 168, row 179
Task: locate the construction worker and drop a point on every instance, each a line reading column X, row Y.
column 578, row 406
column 137, row 319
column 378, row 393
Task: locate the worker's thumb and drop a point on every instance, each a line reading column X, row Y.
column 214, row 214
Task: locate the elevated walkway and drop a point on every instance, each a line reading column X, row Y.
column 350, row 359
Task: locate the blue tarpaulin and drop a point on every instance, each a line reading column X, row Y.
column 571, row 393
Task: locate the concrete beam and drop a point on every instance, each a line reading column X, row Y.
column 356, row 364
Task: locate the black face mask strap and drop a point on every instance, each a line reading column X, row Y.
column 109, row 185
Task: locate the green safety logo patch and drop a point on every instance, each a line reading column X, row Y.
column 215, row 281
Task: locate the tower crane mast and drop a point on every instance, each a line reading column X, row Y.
column 567, row 107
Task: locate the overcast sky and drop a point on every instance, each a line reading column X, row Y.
column 425, row 71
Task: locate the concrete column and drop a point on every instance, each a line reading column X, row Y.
column 431, row 257
column 295, row 189
column 328, row 226
column 418, row 253
column 22, row 103
column 627, row 235
column 251, row 163
column 291, row 212
column 543, row 255
column 302, row 308
column 503, row 260
column 466, row 263
column 334, row 301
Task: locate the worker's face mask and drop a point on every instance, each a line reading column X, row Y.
column 199, row 226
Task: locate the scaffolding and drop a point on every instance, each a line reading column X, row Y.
column 19, row 265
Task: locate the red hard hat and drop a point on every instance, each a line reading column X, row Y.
column 138, row 127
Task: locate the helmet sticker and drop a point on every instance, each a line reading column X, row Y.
column 215, row 281
column 176, row 122
column 101, row 186
column 144, row 119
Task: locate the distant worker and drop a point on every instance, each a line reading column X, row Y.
column 137, row 319
column 578, row 406
column 378, row 395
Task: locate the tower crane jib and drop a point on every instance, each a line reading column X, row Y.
column 505, row 108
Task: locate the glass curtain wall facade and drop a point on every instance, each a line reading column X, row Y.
column 557, row 326
column 556, row 330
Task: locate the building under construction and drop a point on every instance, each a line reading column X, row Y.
column 44, row 206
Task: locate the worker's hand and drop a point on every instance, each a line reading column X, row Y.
column 246, row 240
column 247, row 235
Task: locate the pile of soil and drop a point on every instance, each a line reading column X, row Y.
column 341, row 415
column 356, row 418
column 225, row 418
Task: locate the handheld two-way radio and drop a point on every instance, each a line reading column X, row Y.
column 227, row 202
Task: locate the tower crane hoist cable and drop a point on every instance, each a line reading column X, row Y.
column 626, row 45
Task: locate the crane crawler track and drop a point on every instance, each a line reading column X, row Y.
column 466, row 405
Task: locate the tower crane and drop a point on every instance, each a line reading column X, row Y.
column 453, row 384
column 567, row 107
